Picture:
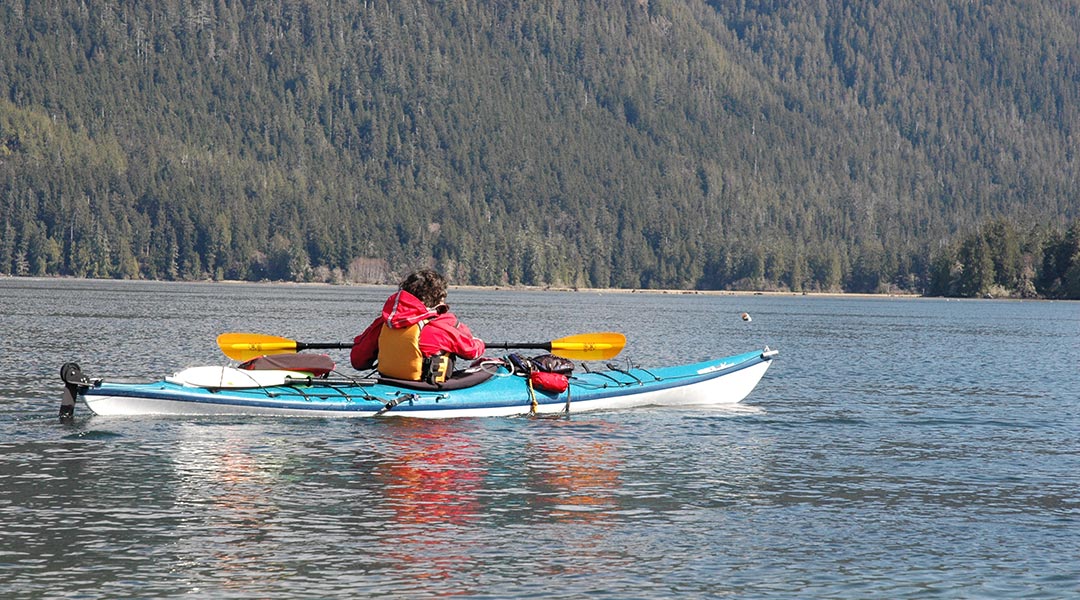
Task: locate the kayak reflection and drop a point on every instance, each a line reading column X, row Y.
column 432, row 478
column 576, row 477
column 435, row 475
column 223, row 492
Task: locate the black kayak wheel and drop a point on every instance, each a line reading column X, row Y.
column 71, row 374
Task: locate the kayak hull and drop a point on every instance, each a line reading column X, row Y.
column 722, row 381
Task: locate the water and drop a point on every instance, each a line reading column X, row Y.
column 897, row 448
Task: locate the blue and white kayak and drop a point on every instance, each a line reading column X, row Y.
column 226, row 390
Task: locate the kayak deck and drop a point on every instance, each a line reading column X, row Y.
column 721, row 381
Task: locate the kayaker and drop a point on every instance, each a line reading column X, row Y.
column 416, row 337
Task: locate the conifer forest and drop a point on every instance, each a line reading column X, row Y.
column 845, row 146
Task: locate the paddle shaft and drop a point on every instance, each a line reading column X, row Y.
column 522, row 345
column 301, row 346
column 322, row 345
column 498, row 345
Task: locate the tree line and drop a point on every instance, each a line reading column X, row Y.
column 806, row 146
column 1000, row 260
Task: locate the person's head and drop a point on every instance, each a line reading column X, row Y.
column 427, row 285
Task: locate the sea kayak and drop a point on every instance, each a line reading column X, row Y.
column 495, row 390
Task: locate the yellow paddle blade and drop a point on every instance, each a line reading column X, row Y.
column 589, row 346
column 246, row 346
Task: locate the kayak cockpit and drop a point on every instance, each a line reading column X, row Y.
column 458, row 381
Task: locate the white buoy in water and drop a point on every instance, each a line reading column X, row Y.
column 746, row 317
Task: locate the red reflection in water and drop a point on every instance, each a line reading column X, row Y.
column 436, row 477
column 432, row 481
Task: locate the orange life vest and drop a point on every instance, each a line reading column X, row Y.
column 400, row 356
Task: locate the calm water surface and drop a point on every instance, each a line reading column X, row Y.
column 897, row 448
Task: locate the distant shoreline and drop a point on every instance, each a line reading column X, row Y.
column 677, row 292
column 525, row 288
column 490, row 288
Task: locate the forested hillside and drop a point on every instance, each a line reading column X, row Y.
column 805, row 145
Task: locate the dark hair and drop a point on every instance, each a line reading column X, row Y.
column 427, row 285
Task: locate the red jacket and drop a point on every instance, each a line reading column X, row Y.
column 442, row 333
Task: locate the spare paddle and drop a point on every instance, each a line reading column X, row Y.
column 583, row 346
column 246, row 346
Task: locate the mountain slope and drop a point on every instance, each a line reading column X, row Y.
column 634, row 144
